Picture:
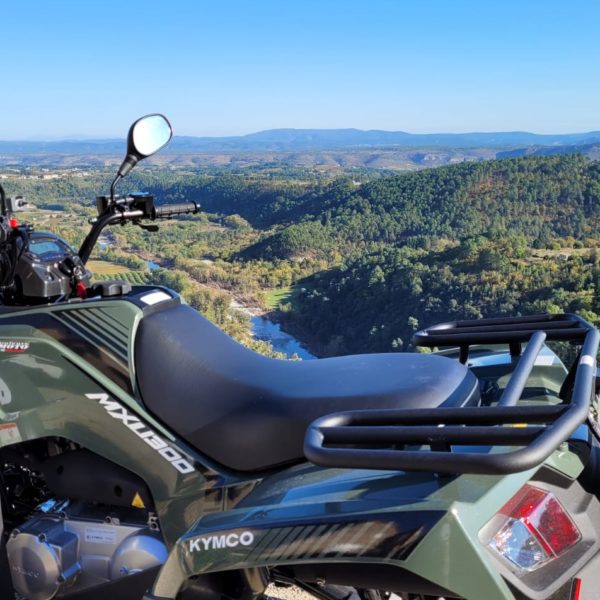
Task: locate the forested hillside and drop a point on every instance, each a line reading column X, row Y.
column 505, row 237
column 542, row 198
column 358, row 263
column 376, row 301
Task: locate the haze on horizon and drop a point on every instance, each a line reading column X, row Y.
column 72, row 70
column 116, row 138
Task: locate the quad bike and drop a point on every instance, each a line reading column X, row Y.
column 145, row 454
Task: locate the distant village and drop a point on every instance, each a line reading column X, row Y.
column 42, row 173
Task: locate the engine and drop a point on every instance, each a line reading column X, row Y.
column 66, row 548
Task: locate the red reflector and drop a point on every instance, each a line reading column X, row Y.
column 576, row 589
column 81, row 290
column 554, row 525
column 523, row 502
column 13, row 223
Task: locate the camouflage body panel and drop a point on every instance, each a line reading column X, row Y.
column 348, row 517
column 51, row 383
column 313, row 516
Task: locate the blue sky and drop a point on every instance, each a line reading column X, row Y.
column 235, row 66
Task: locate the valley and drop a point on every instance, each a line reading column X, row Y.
column 351, row 265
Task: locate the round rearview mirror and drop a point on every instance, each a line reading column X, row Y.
column 148, row 135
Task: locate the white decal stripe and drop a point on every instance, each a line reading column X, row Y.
column 133, row 423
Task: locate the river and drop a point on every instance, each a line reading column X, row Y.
column 268, row 331
column 263, row 329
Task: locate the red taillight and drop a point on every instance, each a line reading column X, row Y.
column 536, row 530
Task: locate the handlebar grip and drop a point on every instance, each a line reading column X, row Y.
column 172, row 210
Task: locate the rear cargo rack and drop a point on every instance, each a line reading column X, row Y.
column 509, row 330
column 470, row 439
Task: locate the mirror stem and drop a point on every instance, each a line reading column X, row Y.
column 128, row 164
column 113, row 185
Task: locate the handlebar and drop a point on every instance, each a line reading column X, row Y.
column 134, row 208
column 166, row 211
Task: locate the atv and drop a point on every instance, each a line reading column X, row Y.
column 144, row 454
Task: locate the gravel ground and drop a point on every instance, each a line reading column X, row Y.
column 287, row 593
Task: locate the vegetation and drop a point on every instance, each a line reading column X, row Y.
column 273, row 299
column 105, row 267
column 505, row 237
column 377, row 301
column 369, row 259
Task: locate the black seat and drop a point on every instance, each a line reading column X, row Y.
column 249, row 412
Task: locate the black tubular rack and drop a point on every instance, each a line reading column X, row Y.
column 394, row 438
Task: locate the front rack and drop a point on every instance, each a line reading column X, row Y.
column 386, row 439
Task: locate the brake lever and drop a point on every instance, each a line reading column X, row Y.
column 153, row 228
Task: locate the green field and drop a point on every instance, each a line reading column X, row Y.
column 106, row 267
column 273, row 298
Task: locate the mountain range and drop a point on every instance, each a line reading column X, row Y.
column 286, row 140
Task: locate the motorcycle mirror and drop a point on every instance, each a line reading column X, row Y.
column 146, row 137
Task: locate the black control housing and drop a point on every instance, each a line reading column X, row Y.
column 134, row 202
column 47, row 268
